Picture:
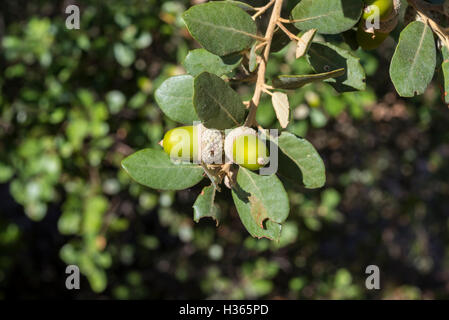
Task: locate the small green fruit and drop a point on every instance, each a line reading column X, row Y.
column 250, row 152
column 370, row 41
column 385, row 8
column 181, row 143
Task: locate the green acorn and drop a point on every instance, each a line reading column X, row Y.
column 194, row 143
column 245, row 148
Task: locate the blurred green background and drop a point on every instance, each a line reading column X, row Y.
column 74, row 103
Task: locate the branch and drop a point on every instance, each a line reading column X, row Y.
column 260, row 84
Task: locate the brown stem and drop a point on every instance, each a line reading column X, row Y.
column 275, row 15
column 262, row 10
column 261, row 45
column 286, row 20
column 288, row 33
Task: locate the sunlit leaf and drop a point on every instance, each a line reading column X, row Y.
column 175, row 98
column 327, row 16
column 220, row 27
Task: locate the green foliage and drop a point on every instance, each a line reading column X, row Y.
column 222, row 29
column 225, row 28
column 59, row 138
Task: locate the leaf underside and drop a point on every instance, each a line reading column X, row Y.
column 204, row 205
column 413, row 63
column 291, row 82
column 281, row 108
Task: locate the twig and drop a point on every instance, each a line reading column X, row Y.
column 267, row 88
column 262, row 10
column 267, row 91
column 286, row 20
column 288, row 33
column 255, row 36
column 261, row 45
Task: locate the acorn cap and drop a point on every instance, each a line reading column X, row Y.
column 211, row 145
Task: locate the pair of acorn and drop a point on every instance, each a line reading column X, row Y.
column 200, row 144
column 369, row 37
